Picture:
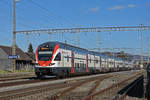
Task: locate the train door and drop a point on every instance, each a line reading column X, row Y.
column 87, row 63
column 62, row 59
column 107, row 64
column 100, row 61
column 72, row 62
column 94, row 63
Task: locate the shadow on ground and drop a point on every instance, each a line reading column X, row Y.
column 135, row 91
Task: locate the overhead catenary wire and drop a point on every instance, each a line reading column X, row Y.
column 92, row 29
column 48, row 12
column 43, row 19
column 25, row 25
column 22, row 18
column 19, row 22
column 85, row 44
column 31, row 0
column 52, row 13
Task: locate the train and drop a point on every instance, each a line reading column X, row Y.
column 62, row 59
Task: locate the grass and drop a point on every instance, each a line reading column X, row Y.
column 5, row 72
column 24, row 71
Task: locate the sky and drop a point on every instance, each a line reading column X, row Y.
column 45, row 14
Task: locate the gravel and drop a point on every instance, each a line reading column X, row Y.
column 76, row 94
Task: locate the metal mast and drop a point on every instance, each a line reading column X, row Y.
column 14, row 35
column 98, row 41
column 141, row 35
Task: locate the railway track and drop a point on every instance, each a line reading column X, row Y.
column 26, row 80
column 88, row 95
column 111, row 89
column 7, row 95
column 22, row 82
column 12, row 94
column 62, row 93
column 59, row 89
column 16, row 78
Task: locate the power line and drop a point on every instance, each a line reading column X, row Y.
column 43, row 19
column 28, row 26
column 22, row 17
column 92, row 29
column 91, row 39
column 22, row 11
column 52, row 13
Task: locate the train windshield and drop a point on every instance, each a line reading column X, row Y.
column 45, row 56
column 45, row 53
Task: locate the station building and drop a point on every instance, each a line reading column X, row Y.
column 23, row 62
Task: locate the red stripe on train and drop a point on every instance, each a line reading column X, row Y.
column 100, row 69
column 87, row 63
column 72, row 63
column 37, row 58
column 47, row 63
column 55, row 50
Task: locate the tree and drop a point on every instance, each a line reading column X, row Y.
column 30, row 51
column 30, row 48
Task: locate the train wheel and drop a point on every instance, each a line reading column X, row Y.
column 39, row 75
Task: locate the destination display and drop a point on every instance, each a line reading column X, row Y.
column 45, row 52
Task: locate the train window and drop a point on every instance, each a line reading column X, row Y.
column 78, row 65
column 96, row 61
column 67, row 58
column 44, row 57
column 81, row 65
column 58, row 57
column 75, row 64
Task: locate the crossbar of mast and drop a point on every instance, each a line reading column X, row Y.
column 92, row 29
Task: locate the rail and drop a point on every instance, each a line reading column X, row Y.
column 90, row 97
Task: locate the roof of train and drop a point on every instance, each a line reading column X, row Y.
column 81, row 50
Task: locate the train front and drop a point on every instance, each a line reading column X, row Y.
column 48, row 58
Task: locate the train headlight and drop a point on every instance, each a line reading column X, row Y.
column 52, row 64
column 37, row 64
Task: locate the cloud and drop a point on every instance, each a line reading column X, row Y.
column 118, row 7
column 121, row 7
column 131, row 5
column 96, row 9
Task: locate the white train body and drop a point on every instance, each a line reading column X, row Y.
column 55, row 58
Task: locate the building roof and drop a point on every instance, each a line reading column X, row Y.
column 22, row 55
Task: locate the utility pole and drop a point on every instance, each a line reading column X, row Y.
column 147, row 41
column 14, row 35
column 141, row 35
column 49, row 36
column 98, row 40
column 27, row 40
column 73, row 42
column 62, row 37
column 79, row 38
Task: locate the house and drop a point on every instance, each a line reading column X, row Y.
column 23, row 62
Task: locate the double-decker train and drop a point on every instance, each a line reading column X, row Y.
column 61, row 59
